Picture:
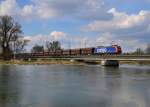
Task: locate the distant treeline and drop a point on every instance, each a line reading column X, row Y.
column 50, row 46
column 139, row 51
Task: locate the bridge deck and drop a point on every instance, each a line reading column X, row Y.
column 98, row 57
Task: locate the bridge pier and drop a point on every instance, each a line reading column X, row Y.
column 110, row 62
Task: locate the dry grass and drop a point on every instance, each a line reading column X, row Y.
column 41, row 62
column 65, row 62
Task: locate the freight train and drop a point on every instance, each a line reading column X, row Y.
column 100, row 50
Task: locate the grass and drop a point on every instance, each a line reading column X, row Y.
column 65, row 62
column 39, row 62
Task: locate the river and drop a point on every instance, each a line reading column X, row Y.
column 74, row 86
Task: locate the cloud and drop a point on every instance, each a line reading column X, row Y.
column 43, row 9
column 41, row 39
column 127, row 44
column 57, row 35
column 82, row 41
column 9, row 7
column 121, row 22
column 66, row 40
column 40, row 10
column 82, row 9
column 27, row 10
column 46, row 9
column 129, row 30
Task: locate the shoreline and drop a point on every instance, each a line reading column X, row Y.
column 40, row 62
column 65, row 62
column 135, row 62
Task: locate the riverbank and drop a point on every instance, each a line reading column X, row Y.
column 65, row 62
column 41, row 62
column 135, row 62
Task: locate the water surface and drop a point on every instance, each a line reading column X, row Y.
column 74, row 86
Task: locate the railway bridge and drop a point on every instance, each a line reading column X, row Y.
column 113, row 60
column 108, row 60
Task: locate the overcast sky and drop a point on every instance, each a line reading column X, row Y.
column 82, row 23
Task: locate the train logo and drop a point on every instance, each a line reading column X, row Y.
column 101, row 50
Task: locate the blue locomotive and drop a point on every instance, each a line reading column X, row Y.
column 114, row 49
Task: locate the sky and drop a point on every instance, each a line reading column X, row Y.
column 82, row 23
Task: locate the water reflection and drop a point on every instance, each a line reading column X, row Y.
column 112, row 72
column 8, row 87
column 74, row 86
column 126, row 91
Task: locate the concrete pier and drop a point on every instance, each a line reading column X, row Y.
column 110, row 62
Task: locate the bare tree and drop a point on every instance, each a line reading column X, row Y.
column 138, row 51
column 37, row 48
column 9, row 32
column 52, row 46
column 48, row 45
column 19, row 45
column 148, row 49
